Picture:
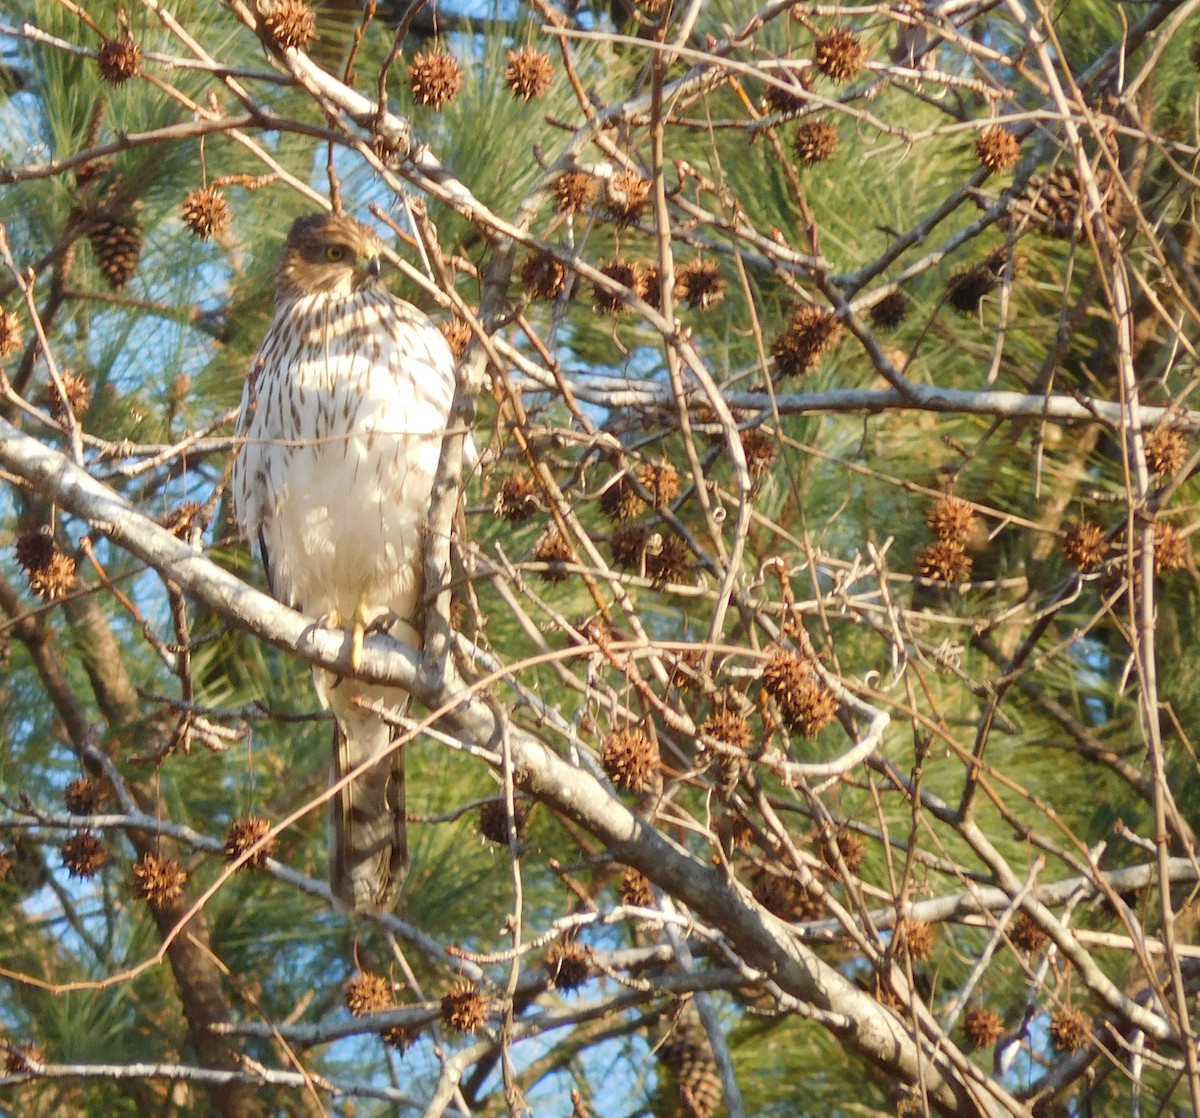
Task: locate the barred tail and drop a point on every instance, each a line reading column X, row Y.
column 368, row 845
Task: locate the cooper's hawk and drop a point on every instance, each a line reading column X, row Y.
column 342, row 419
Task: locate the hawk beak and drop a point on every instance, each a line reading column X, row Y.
column 369, row 269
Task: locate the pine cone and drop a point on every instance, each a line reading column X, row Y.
column 687, row 1053
column 117, row 243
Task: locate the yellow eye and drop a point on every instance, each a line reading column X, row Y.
column 334, row 253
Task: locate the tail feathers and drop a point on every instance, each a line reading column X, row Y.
column 368, row 847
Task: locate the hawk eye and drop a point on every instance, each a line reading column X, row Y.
column 334, row 253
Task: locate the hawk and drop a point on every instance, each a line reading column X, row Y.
column 341, row 428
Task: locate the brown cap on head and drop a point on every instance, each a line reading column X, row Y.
column 328, row 254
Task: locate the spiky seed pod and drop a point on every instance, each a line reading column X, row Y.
column 242, row 834
column 367, row 993
column 458, row 334
column 399, row 1037
column 493, row 820
column 181, row 521
column 636, row 889
column 626, row 197
column 628, row 546
column 1166, row 451
column 652, row 286
column 206, row 212
column 74, row 399
column 621, row 501
column 966, row 290
column 629, row 274
column 119, row 59
column 951, row 518
column 1085, row 545
column 727, row 724
column 464, row 1009
column 529, row 73
column 35, row 549
column 158, row 880
column 917, row 937
column 890, row 311
column 10, row 333
column 117, row 243
column 575, row 191
column 811, row 333
column 687, row 1052
column 1026, row 935
column 783, row 895
column 670, row 562
column 1171, row 551
column 630, row 758
column 1070, row 1029
column 850, row 846
column 84, row 854
column 569, row 966
column 786, row 100
column 810, row 707
column 20, row 1057
column 51, row 574
column 516, row 500
column 661, row 481
column 944, row 561
column 997, row 149
column 816, row 141
column 552, row 549
column 435, row 77
column 759, row 449
column 983, row 1027
column 840, row 55
column 1001, row 261
column 700, row 283
column 543, row 277
column 386, row 152
column 290, row 24
column 807, row 705
column 784, row 672
column 84, row 796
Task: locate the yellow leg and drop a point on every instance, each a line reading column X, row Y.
column 357, row 631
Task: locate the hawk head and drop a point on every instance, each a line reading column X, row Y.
column 329, row 254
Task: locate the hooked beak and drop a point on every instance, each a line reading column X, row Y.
column 369, row 269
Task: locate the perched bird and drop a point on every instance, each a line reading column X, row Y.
column 341, row 428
